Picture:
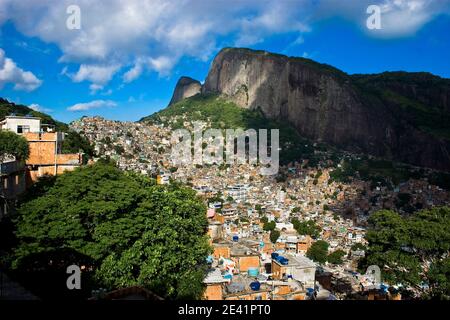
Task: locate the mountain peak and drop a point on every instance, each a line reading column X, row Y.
column 186, row 87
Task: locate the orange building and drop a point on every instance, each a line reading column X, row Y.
column 46, row 157
column 304, row 243
column 221, row 250
column 245, row 258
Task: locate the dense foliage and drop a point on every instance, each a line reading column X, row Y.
column 227, row 115
column 318, row 251
column 74, row 143
column 412, row 251
column 416, row 98
column 269, row 226
column 274, row 235
column 12, row 144
column 126, row 229
column 336, row 257
column 306, row 227
column 7, row 108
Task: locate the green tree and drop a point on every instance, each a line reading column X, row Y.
column 403, row 246
column 74, row 143
column 296, row 210
column 336, row 257
column 358, row 247
column 12, row 144
column 306, row 227
column 274, row 235
column 318, row 251
column 439, row 279
column 119, row 149
column 135, row 232
column 269, row 226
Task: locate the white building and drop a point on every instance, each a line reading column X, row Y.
column 21, row 124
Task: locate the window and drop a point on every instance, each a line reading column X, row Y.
column 23, row 129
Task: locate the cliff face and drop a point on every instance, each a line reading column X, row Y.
column 325, row 104
column 186, row 87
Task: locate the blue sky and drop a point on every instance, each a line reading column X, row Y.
column 125, row 60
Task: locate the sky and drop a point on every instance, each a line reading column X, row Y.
column 122, row 59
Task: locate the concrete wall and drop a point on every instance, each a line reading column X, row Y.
column 305, row 275
column 13, row 123
column 246, row 262
column 213, row 292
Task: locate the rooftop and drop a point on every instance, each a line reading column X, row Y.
column 297, row 261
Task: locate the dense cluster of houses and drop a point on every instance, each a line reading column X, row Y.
column 245, row 263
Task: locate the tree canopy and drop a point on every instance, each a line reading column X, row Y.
column 318, row 251
column 74, row 143
column 412, row 250
column 306, row 227
column 269, row 226
column 274, row 235
column 12, row 144
column 336, row 257
column 134, row 231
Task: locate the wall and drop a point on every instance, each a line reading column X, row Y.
column 12, row 123
column 305, row 275
column 213, row 292
column 249, row 296
column 246, row 262
column 221, row 251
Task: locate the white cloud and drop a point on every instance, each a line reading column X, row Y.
column 39, row 108
column 11, row 73
column 402, row 17
column 98, row 75
column 399, row 18
column 153, row 35
column 92, row 105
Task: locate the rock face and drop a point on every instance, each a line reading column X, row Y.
column 324, row 104
column 186, row 87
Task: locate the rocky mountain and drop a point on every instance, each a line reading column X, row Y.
column 399, row 116
column 186, row 87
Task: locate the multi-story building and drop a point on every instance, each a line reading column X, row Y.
column 12, row 184
column 300, row 268
column 46, row 157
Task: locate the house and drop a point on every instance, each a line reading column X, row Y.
column 244, row 288
column 221, row 250
column 287, row 290
column 20, row 124
column 303, row 244
column 214, row 282
column 299, row 268
column 46, row 157
column 12, row 183
column 245, row 257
